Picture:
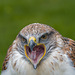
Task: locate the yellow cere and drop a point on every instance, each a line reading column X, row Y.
column 32, row 38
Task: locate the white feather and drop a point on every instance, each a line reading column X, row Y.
column 51, row 66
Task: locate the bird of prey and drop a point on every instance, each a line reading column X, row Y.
column 40, row 50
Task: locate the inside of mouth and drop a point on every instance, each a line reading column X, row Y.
column 36, row 53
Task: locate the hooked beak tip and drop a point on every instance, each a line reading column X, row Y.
column 35, row 66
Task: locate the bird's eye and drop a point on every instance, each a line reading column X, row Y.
column 44, row 37
column 23, row 39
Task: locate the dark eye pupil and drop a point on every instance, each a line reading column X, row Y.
column 43, row 36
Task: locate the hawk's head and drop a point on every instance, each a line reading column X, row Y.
column 36, row 42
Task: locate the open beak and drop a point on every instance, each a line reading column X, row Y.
column 34, row 51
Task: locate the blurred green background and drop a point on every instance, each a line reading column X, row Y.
column 15, row 14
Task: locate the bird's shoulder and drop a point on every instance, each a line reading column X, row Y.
column 69, row 48
column 4, row 67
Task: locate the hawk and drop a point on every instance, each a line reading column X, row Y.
column 40, row 50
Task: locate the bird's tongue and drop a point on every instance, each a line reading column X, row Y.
column 33, row 55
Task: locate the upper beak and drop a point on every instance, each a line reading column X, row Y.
column 32, row 44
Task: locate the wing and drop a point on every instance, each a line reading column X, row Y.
column 70, row 48
column 4, row 67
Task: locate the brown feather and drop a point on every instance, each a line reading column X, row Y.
column 4, row 67
column 70, row 48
